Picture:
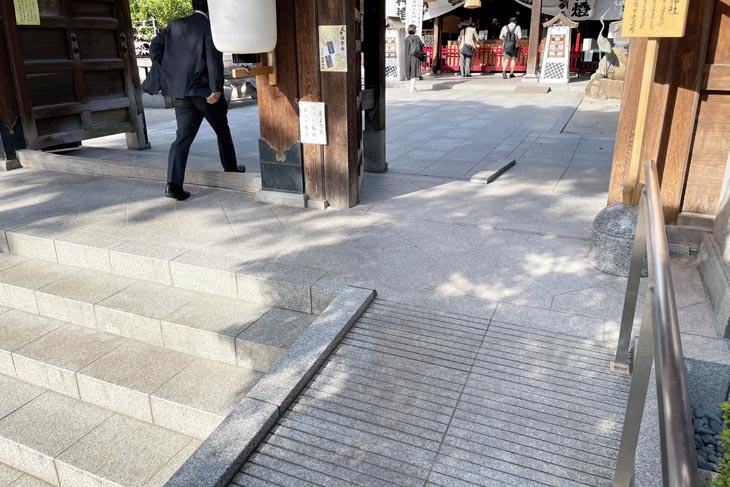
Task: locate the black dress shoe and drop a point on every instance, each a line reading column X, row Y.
column 239, row 168
column 512, row 75
column 504, row 75
column 176, row 192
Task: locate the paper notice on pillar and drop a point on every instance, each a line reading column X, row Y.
column 312, row 123
column 414, row 15
column 578, row 9
column 26, row 12
column 333, row 48
column 655, row 18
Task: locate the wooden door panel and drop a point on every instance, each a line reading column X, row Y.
column 93, row 9
column 711, row 143
column 98, row 44
column 719, row 49
column 60, row 125
column 44, row 44
column 75, row 73
column 52, row 88
column 50, row 8
column 100, row 85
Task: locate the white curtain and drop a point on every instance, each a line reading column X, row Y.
column 611, row 8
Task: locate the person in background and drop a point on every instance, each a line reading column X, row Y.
column 468, row 39
column 510, row 36
column 414, row 48
column 191, row 71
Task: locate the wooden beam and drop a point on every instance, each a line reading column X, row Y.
column 340, row 92
column 438, row 27
column 374, row 61
column 716, row 77
column 11, row 132
column 310, row 90
column 626, row 120
column 684, row 105
column 535, row 32
column 279, row 147
column 631, row 190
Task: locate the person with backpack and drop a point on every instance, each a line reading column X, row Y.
column 468, row 40
column 510, row 34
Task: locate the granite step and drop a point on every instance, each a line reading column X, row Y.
column 47, row 438
column 208, row 327
column 232, row 276
column 10, row 477
column 170, row 389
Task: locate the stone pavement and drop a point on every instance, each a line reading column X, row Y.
column 417, row 397
column 513, row 252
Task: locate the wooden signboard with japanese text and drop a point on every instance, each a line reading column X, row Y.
column 655, row 18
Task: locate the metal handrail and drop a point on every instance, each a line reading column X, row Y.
column 660, row 323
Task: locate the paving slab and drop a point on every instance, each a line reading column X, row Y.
column 32, row 436
column 123, row 379
column 8, row 475
column 72, row 298
column 19, row 282
column 208, row 326
column 86, row 249
column 199, row 397
column 121, row 451
column 18, row 329
column 52, row 360
column 136, row 311
column 144, row 260
column 278, row 285
column 262, row 344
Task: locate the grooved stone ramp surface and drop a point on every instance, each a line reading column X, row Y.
column 414, row 397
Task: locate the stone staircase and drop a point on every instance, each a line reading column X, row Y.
column 116, row 364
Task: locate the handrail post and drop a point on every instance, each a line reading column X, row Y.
column 638, row 254
column 643, row 359
column 659, row 344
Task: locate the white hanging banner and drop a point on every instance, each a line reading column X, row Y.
column 596, row 8
column 578, row 9
column 414, row 15
column 439, row 8
column 431, row 10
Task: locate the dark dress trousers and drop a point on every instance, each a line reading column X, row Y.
column 191, row 68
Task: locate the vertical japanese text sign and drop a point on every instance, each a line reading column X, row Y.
column 655, row 18
column 414, row 15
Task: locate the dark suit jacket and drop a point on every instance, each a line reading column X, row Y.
column 190, row 63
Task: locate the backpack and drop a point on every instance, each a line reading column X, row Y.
column 510, row 40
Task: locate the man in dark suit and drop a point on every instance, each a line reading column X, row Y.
column 191, row 71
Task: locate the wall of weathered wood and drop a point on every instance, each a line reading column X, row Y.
column 330, row 172
column 689, row 113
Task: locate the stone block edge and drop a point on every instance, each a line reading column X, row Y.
column 223, row 453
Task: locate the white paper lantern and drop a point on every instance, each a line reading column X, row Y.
column 243, row 26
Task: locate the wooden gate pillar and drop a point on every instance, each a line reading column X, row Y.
column 314, row 175
column 534, row 44
column 11, row 131
column 374, row 95
column 672, row 111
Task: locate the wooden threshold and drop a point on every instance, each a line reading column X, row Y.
column 245, row 182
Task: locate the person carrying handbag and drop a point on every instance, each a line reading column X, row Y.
column 414, row 48
column 468, row 39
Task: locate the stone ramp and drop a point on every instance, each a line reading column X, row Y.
column 416, row 397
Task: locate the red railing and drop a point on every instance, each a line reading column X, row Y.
column 489, row 59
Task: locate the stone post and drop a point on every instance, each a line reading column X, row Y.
column 714, row 261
